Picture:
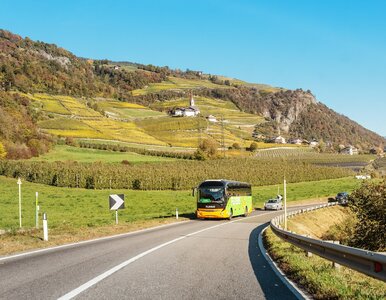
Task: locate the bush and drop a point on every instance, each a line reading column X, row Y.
column 3, row 153
column 368, row 203
column 209, row 147
column 236, row 146
column 253, row 147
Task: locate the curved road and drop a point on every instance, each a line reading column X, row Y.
column 216, row 259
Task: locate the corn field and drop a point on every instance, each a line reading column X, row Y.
column 183, row 174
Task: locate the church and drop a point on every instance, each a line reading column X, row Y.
column 191, row 111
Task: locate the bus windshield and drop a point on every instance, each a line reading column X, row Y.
column 211, row 194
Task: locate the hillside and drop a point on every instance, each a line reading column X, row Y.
column 48, row 91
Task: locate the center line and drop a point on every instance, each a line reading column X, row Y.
column 106, row 274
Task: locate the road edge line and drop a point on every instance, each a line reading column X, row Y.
column 42, row 250
column 283, row 277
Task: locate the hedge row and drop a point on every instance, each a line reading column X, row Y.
column 119, row 148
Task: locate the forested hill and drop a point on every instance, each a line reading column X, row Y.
column 28, row 66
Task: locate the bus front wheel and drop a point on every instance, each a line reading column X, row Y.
column 230, row 215
column 246, row 212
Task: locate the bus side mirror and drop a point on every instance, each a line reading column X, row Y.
column 194, row 191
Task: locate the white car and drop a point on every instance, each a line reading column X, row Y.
column 273, row 204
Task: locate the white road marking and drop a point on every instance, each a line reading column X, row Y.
column 89, row 241
column 115, row 269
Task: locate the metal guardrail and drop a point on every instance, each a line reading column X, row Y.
column 367, row 262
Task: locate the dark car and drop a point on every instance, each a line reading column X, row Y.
column 342, row 198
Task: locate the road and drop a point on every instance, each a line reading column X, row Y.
column 198, row 259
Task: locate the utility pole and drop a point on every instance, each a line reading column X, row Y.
column 199, row 132
column 222, row 136
column 285, row 205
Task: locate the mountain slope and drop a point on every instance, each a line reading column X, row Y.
column 29, row 69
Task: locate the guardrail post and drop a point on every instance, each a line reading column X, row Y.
column 308, row 253
column 334, row 264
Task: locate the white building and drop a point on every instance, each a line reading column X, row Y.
column 191, row 111
column 280, row 140
column 296, row 141
column 211, row 118
column 350, row 150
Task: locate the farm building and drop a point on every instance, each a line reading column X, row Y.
column 280, row 140
column 211, row 118
column 295, row 141
column 350, row 150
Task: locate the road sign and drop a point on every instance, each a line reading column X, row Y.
column 117, row 201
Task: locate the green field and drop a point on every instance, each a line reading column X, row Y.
column 68, row 153
column 74, row 208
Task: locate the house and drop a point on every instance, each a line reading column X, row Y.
column 280, row 140
column 211, row 118
column 176, row 112
column 190, row 112
column 350, row 150
column 295, row 141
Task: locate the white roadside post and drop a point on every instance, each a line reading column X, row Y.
column 19, row 184
column 177, row 213
column 285, row 205
column 45, row 227
column 116, row 217
column 36, row 211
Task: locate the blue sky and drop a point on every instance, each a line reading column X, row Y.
column 337, row 49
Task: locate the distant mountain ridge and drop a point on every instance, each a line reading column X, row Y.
column 27, row 66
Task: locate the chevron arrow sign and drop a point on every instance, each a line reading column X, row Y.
column 117, row 201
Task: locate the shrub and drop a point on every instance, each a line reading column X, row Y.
column 368, row 203
column 236, row 146
column 253, row 147
column 3, row 153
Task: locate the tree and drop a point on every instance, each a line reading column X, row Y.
column 253, row 147
column 3, row 153
column 209, row 147
column 368, row 203
column 236, row 146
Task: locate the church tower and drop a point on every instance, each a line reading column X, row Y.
column 191, row 100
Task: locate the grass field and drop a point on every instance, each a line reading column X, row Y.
column 316, row 274
column 65, row 153
column 79, row 214
column 83, row 208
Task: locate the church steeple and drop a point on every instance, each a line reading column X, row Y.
column 191, row 100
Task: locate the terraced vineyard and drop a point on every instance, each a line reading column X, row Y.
column 108, row 119
column 175, row 83
column 127, row 111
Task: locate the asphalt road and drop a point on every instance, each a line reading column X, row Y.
column 198, row 259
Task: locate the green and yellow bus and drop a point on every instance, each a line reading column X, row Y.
column 223, row 199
